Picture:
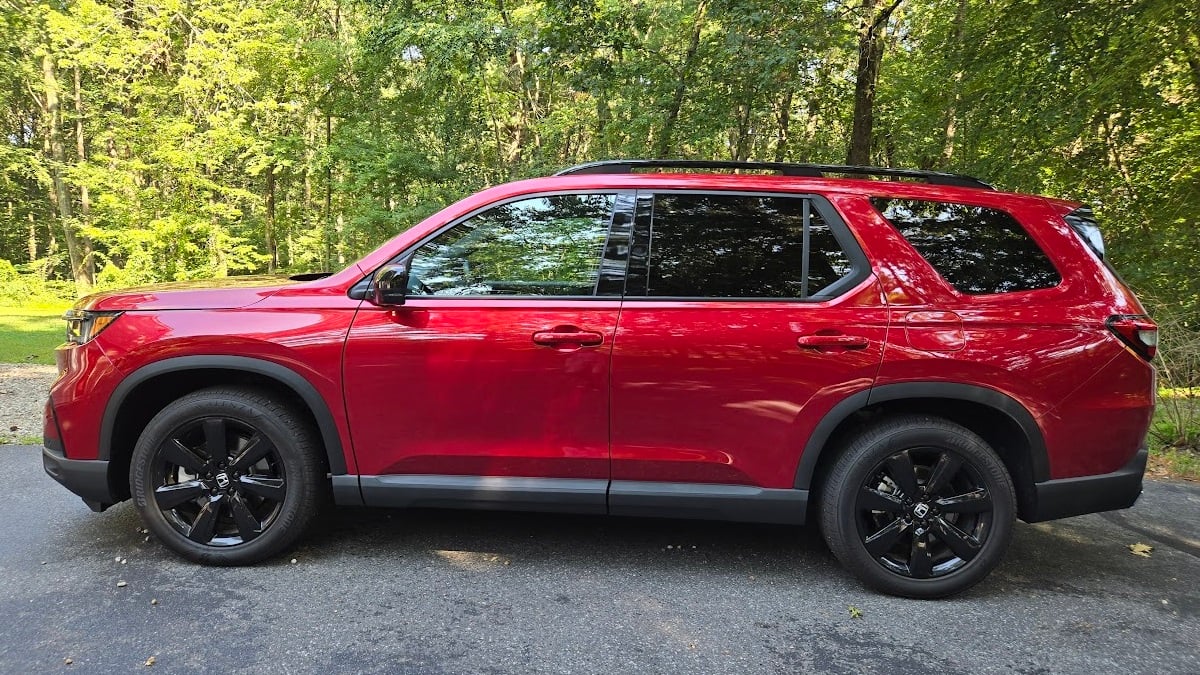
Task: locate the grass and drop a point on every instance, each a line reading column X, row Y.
column 29, row 335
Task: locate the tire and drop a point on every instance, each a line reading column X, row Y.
column 227, row 476
column 918, row 506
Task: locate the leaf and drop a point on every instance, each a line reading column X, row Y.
column 1141, row 550
column 855, row 613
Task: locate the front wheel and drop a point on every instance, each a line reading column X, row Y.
column 919, row 507
column 227, row 476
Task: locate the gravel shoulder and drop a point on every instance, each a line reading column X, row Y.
column 23, row 391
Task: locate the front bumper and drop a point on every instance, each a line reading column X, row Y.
column 1067, row 497
column 87, row 478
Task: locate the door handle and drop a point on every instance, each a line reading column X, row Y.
column 842, row 341
column 574, row 336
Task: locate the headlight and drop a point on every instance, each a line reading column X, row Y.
column 83, row 325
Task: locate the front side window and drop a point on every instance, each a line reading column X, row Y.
column 549, row 245
column 978, row 250
column 741, row 246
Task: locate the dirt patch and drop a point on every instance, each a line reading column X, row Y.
column 23, row 391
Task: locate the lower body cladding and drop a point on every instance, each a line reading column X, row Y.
column 598, row 496
column 1051, row 499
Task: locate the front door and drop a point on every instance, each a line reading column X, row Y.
column 497, row 364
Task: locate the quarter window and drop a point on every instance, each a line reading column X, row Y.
column 977, row 249
column 541, row 246
column 741, row 246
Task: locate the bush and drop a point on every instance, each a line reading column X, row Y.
column 26, row 288
column 1177, row 420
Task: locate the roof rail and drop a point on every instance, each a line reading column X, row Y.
column 809, row 170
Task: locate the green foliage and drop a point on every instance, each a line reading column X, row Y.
column 214, row 137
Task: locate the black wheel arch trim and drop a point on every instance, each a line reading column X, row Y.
column 279, row 373
column 1039, row 462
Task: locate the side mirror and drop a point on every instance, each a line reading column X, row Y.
column 389, row 286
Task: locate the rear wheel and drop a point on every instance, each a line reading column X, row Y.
column 227, row 476
column 919, row 507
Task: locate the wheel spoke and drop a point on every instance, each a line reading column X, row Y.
column 882, row 541
column 920, row 564
column 870, row 499
column 248, row 526
column 206, row 521
column 179, row 454
column 256, row 449
column 214, row 439
column 947, row 465
column 975, row 501
column 900, row 468
column 169, row 496
column 964, row 545
column 262, row 486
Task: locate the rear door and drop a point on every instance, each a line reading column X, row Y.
column 497, row 364
column 746, row 318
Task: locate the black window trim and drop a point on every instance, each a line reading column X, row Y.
column 957, row 294
column 860, row 266
column 359, row 289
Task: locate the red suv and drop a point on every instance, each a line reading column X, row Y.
column 913, row 359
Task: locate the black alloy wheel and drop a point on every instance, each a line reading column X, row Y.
column 924, row 512
column 227, row 475
column 918, row 506
column 219, row 482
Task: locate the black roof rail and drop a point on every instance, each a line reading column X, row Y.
column 809, row 170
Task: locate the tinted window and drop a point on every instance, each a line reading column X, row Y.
column 978, row 250
column 540, row 246
column 736, row 246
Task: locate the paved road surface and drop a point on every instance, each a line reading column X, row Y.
column 434, row 592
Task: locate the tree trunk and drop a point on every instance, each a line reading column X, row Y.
column 272, row 246
column 870, row 57
column 783, row 118
column 960, row 17
column 33, row 242
column 327, row 216
column 741, row 144
column 58, row 187
column 85, row 203
column 603, row 119
column 663, row 147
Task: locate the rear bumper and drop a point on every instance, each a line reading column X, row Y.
column 1067, row 497
column 87, row 478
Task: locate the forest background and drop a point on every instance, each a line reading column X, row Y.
column 147, row 141
column 156, row 140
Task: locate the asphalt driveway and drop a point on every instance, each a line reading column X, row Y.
column 432, row 592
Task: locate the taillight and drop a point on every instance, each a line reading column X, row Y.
column 1137, row 331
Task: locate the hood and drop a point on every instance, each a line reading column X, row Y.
column 225, row 293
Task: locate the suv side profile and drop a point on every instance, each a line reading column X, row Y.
column 912, row 359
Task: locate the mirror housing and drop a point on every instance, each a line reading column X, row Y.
column 389, row 286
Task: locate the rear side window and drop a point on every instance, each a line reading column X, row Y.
column 978, row 250
column 741, row 246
